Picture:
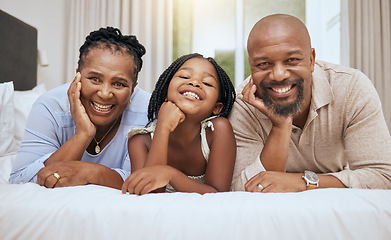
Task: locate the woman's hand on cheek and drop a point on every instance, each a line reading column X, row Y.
column 170, row 116
column 147, row 179
column 79, row 114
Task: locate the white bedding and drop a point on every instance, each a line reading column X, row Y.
column 28, row 211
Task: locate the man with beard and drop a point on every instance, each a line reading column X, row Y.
column 301, row 124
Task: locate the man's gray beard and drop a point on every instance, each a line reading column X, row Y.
column 284, row 110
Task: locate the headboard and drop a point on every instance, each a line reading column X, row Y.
column 18, row 52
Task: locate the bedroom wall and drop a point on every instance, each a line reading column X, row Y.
column 48, row 17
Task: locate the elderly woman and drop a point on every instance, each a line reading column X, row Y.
column 76, row 133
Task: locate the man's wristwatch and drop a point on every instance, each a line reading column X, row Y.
column 311, row 179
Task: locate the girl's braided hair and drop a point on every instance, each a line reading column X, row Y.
column 226, row 94
column 113, row 39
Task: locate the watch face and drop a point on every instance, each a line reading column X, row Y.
column 311, row 177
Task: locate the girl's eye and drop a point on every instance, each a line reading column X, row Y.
column 208, row 84
column 184, row 77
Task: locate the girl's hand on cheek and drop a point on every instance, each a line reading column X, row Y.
column 79, row 114
column 170, row 116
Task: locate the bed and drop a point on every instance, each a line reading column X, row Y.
column 29, row 211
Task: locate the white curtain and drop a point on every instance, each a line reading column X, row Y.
column 370, row 44
column 149, row 20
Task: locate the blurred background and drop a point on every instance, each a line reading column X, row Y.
column 353, row 33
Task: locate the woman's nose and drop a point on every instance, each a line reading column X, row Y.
column 105, row 91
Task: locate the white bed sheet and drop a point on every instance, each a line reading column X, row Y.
column 28, row 211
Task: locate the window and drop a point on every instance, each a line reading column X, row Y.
column 220, row 28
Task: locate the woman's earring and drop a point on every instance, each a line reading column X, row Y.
column 130, row 101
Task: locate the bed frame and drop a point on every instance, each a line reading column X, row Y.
column 18, row 47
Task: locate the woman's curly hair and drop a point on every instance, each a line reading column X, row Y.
column 113, row 39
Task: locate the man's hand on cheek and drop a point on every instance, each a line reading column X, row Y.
column 250, row 96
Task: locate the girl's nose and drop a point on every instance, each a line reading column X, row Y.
column 194, row 83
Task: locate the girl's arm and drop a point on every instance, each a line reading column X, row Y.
column 138, row 147
column 218, row 174
column 168, row 119
column 222, row 155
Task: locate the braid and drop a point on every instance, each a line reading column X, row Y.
column 113, row 39
column 227, row 91
column 159, row 95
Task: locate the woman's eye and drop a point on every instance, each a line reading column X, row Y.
column 95, row 79
column 118, row 84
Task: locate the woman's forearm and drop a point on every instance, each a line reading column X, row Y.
column 71, row 150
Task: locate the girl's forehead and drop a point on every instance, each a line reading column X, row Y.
column 199, row 64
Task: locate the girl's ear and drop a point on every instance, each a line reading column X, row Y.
column 218, row 108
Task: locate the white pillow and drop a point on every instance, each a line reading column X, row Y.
column 7, row 143
column 23, row 101
column 6, row 167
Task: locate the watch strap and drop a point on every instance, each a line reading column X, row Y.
column 311, row 186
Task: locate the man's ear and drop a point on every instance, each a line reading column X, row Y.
column 312, row 59
column 77, row 70
column 218, row 108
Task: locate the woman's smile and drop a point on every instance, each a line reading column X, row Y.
column 102, row 108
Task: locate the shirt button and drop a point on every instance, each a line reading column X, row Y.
column 294, row 130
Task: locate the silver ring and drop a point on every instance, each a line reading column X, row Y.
column 56, row 175
column 260, row 186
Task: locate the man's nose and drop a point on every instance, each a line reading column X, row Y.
column 279, row 72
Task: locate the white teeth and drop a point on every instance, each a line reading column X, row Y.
column 192, row 95
column 282, row 90
column 102, row 107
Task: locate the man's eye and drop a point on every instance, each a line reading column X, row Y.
column 95, row 79
column 262, row 64
column 293, row 59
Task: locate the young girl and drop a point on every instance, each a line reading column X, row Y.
column 190, row 146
